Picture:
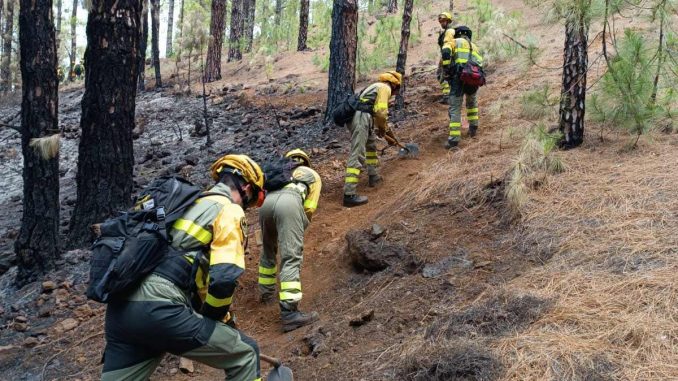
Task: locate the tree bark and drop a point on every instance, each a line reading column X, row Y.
column 143, row 45
column 213, row 66
column 105, row 152
column 37, row 246
column 5, row 68
column 249, row 24
column 401, row 63
column 278, row 12
column 234, row 52
column 181, row 20
column 155, row 40
column 451, row 6
column 58, row 29
column 303, row 25
column 71, row 57
column 170, row 25
column 343, row 45
column 573, row 93
column 392, row 6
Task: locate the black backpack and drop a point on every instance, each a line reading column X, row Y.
column 278, row 173
column 343, row 113
column 133, row 244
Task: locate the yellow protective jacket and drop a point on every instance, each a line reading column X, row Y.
column 377, row 94
column 308, row 183
column 216, row 228
column 446, row 43
column 464, row 50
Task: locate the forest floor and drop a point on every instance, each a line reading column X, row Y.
column 580, row 284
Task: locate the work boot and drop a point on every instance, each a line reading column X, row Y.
column 451, row 144
column 354, row 200
column 266, row 297
column 472, row 131
column 292, row 318
column 443, row 99
column 374, row 180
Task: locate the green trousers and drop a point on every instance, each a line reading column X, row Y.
column 363, row 151
column 457, row 94
column 157, row 318
column 283, row 223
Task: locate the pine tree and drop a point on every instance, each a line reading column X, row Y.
column 234, row 51
column 143, row 45
column 343, row 46
column 170, row 28
column 74, row 23
column 213, row 66
column 105, row 153
column 155, row 40
column 402, row 52
column 37, row 246
column 59, row 4
column 5, row 66
column 249, row 11
column 392, row 6
column 303, row 25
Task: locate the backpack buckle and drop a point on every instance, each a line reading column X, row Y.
column 160, row 213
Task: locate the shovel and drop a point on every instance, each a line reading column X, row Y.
column 408, row 150
column 279, row 371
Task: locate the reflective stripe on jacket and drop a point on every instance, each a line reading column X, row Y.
column 377, row 94
column 462, row 52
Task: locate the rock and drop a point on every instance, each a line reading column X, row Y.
column 246, row 120
column 186, row 365
column 377, row 231
column 315, row 341
column 333, row 144
column 48, row 286
column 44, row 311
column 173, row 371
column 20, row 327
column 8, row 355
column 30, row 342
column 65, row 325
column 83, row 311
column 192, row 160
column 362, row 319
column 21, row 319
column 372, row 255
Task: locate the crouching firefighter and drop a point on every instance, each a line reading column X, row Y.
column 371, row 113
column 182, row 307
column 284, row 217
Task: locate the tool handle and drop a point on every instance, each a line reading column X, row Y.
column 392, row 140
column 271, row 360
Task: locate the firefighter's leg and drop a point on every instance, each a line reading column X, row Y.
column 371, row 160
column 267, row 258
column 359, row 128
column 126, row 362
column 456, row 97
column 472, row 112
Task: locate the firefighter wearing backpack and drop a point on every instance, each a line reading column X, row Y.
column 284, row 217
column 182, row 307
column 372, row 113
column 464, row 50
column 446, row 44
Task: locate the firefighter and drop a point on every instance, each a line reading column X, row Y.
column 79, row 70
column 284, row 217
column 372, row 112
column 60, row 74
column 446, row 43
column 183, row 306
column 463, row 51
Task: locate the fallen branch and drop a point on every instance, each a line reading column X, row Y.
column 11, row 126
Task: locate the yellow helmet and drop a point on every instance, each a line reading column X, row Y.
column 445, row 16
column 241, row 165
column 391, row 76
column 299, row 155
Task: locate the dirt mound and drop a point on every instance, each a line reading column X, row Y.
column 373, row 252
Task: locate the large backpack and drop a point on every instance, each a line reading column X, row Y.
column 343, row 113
column 278, row 173
column 133, row 244
column 472, row 73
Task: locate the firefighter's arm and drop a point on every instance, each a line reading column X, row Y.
column 227, row 261
column 447, row 50
column 381, row 109
column 311, row 202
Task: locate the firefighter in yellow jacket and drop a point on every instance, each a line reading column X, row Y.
column 284, row 217
column 446, row 44
column 372, row 113
column 463, row 51
column 183, row 306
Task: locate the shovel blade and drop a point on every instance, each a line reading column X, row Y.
column 410, row 150
column 280, row 373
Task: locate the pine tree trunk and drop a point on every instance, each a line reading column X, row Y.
column 392, row 6
column 451, row 6
column 401, row 63
column 74, row 23
column 58, row 29
column 249, row 24
column 143, row 45
column 37, row 246
column 170, row 26
column 278, row 12
column 234, row 53
column 181, row 20
column 343, row 46
column 213, row 66
column 105, row 152
column 303, row 25
column 5, row 67
column 573, row 93
column 155, row 40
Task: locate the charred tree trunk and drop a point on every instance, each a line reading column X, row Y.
column 155, row 40
column 73, row 53
column 573, row 93
column 37, row 246
column 278, row 12
column 392, row 6
column 303, row 25
column 234, row 51
column 58, row 28
column 249, row 24
column 343, row 45
column 143, row 45
column 170, row 26
column 213, row 67
column 5, row 68
column 181, row 20
column 105, row 152
column 401, row 63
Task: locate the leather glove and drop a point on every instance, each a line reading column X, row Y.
column 380, row 132
column 229, row 320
